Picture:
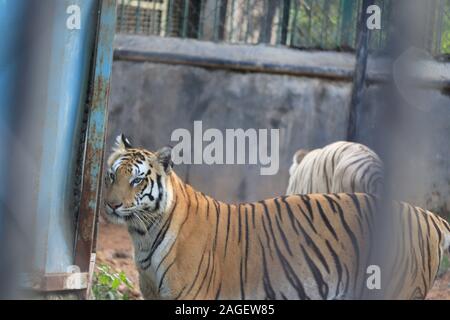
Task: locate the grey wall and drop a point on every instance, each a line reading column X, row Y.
column 159, row 85
column 149, row 101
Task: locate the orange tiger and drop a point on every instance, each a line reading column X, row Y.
column 191, row 246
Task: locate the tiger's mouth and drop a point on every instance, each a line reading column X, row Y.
column 113, row 213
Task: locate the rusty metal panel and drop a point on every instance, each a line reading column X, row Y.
column 53, row 63
column 56, row 281
column 95, row 138
column 61, row 112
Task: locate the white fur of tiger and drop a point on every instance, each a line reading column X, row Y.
column 338, row 167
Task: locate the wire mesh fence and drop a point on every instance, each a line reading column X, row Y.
column 310, row 24
column 440, row 27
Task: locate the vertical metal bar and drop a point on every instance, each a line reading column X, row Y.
column 444, row 29
column 122, row 8
column 230, row 18
column 13, row 29
column 294, row 23
column 310, row 12
column 438, row 28
column 201, row 19
column 373, row 36
column 428, row 32
column 95, row 137
column 247, row 13
column 65, row 58
column 359, row 76
column 138, row 15
column 216, row 19
column 323, row 24
column 326, row 15
column 185, row 18
column 380, row 32
column 355, row 29
column 169, row 19
column 222, row 18
column 153, row 23
column 446, row 34
column 347, row 7
column 270, row 8
column 164, row 7
column 384, row 13
column 338, row 23
column 278, row 17
column 385, row 20
column 264, row 18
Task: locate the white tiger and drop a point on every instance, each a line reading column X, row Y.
column 338, row 167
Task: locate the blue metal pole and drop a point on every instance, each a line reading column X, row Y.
column 54, row 82
column 63, row 106
column 11, row 14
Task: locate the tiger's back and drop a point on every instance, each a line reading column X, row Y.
column 191, row 246
column 295, row 247
column 338, row 167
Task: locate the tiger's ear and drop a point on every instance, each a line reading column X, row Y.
column 122, row 143
column 164, row 156
column 299, row 155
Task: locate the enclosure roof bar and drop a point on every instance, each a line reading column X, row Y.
column 264, row 59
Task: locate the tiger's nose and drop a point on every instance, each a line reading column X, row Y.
column 114, row 205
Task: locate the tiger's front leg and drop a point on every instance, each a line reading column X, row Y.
column 147, row 287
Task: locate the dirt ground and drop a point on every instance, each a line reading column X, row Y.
column 114, row 248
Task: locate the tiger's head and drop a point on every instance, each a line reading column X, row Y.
column 136, row 184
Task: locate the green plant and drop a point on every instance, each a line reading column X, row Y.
column 110, row 285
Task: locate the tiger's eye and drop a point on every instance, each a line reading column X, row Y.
column 111, row 176
column 136, row 181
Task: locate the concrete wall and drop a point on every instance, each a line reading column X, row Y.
column 159, row 85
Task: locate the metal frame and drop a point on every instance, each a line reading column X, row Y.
column 56, row 281
column 152, row 5
column 79, row 275
column 85, row 245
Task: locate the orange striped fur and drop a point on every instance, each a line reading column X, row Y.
column 191, row 246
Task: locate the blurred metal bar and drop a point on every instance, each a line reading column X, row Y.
column 359, row 78
column 12, row 30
